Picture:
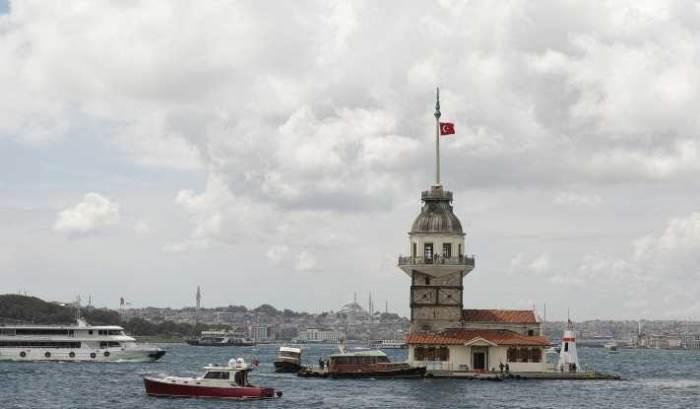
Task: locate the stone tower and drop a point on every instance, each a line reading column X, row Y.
column 437, row 264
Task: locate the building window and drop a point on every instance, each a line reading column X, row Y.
column 536, row 355
column 459, row 249
column 530, row 332
column 512, row 354
column 447, row 250
column 413, row 249
column 428, row 251
column 431, row 353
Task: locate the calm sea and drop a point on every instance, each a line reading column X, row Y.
column 653, row 379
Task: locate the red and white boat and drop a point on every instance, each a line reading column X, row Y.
column 219, row 382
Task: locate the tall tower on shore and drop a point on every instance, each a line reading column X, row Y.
column 437, row 264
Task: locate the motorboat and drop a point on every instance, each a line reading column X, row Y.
column 80, row 342
column 219, row 339
column 288, row 359
column 228, row 381
column 365, row 363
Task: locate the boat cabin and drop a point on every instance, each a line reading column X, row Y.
column 236, row 370
column 345, row 360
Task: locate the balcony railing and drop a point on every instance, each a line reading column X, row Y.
column 437, row 260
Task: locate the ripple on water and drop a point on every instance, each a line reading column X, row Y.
column 653, row 379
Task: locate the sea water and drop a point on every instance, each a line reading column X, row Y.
column 651, row 379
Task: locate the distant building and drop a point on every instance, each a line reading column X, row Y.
column 260, row 333
column 319, row 335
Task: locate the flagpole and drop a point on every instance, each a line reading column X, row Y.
column 437, row 139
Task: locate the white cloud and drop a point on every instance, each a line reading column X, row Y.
column 577, row 199
column 306, row 262
column 93, row 214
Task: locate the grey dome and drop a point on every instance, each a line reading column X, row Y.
column 436, row 216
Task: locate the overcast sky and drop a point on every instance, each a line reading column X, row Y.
column 275, row 153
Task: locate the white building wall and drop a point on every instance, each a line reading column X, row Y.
column 437, row 239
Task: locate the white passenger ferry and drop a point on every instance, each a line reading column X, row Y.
column 80, row 342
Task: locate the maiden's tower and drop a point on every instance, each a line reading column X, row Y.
column 437, row 263
column 443, row 334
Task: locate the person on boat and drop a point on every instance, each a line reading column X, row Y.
column 507, row 368
column 320, row 363
column 501, row 367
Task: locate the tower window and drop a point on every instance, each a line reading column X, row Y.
column 428, row 250
column 447, row 250
column 413, row 249
column 459, row 249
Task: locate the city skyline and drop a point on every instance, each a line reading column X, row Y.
column 276, row 156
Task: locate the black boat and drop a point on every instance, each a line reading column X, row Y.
column 288, row 360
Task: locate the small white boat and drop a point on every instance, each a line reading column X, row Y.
column 611, row 346
column 288, row 359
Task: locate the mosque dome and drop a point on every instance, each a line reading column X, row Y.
column 436, row 215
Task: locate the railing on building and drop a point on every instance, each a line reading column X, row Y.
column 437, row 260
column 436, row 195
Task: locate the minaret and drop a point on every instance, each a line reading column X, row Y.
column 437, row 264
column 198, row 298
column 568, row 358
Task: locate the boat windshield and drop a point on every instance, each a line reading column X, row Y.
column 216, row 375
column 288, row 354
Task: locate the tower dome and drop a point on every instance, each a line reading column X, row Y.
column 436, row 215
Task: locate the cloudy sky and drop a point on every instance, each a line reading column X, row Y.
column 276, row 153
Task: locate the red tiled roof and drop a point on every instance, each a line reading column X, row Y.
column 460, row 336
column 517, row 316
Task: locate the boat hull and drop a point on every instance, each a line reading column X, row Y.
column 220, row 344
column 286, row 367
column 409, row 372
column 155, row 387
column 80, row 355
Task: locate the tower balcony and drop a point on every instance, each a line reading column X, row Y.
column 438, row 265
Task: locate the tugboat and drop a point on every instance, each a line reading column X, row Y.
column 219, row 339
column 288, row 359
column 220, row 382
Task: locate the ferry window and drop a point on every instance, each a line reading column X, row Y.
column 108, row 344
column 89, row 332
column 5, row 331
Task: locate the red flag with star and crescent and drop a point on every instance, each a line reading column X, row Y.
column 447, row 128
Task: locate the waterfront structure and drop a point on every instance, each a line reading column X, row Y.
column 319, row 335
column 443, row 334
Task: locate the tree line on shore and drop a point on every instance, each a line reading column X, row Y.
column 20, row 309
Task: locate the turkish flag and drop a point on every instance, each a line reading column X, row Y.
column 447, row 128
